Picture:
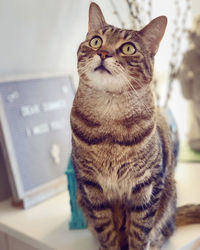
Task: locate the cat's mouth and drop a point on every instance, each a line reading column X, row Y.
column 102, row 68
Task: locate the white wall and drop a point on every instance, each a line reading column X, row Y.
column 42, row 36
column 195, row 4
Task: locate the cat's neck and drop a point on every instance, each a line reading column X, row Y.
column 105, row 105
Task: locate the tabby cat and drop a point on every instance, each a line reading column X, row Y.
column 122, row 149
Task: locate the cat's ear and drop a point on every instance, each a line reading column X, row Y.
column 153, row 33
column 96, row 18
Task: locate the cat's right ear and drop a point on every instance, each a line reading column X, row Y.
column 153, row 33
column 96, row 18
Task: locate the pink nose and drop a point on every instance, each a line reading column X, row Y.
column 104, row 54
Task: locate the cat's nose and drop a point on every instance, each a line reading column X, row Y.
column 104, row 54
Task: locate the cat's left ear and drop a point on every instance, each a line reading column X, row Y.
column 153, row 33
column 96, row 18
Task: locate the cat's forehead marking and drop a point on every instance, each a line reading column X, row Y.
column 119, row 33
column 116, row 36
column 127, row 34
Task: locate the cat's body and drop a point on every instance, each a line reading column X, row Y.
column 122, row 148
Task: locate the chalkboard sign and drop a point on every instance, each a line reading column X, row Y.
column 34, row 117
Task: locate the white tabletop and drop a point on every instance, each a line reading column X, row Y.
column 45, row 226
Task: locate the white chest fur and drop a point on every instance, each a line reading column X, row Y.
column 114, row 188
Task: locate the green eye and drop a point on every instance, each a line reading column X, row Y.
column 128, row 49
column 96, row 42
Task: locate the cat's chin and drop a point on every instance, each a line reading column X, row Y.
column 102, row 80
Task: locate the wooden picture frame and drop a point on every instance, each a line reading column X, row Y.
column 35, row 136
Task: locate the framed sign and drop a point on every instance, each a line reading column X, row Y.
column 36, row 136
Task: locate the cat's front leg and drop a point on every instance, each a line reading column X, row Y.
column 143, row 207
column 98, row 213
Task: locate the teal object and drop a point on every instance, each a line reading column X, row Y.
column 78, row 220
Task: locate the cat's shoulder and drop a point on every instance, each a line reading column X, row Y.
column 164, row 120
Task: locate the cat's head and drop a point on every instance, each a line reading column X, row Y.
column 114, row 59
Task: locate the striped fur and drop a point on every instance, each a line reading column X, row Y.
column 122, row 149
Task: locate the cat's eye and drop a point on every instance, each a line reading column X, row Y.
column 128, row 49
column 96, row 42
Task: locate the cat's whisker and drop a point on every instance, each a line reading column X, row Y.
column 139, row 96
column 127, row 81
column 137, row 82
column 134, row 103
